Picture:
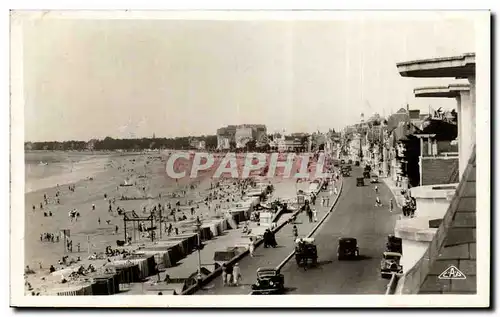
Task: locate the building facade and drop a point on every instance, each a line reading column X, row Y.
column 239, row 135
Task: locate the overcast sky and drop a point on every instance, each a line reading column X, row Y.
column 131, row 78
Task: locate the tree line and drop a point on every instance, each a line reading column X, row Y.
column 109, row 143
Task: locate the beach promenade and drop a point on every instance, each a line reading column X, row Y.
column 272, row 257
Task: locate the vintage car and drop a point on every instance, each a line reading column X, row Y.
column 374, row 179
column 394, row 244
column 346, row 173
column 360, row 181
column 306, row 252
column 269, row 281
column 346, row 168
column 390, row 264
column 347, row 249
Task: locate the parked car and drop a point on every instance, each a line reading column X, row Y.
column 269, row 281
column 360, row 181
column 390, row 264
column 347, row 249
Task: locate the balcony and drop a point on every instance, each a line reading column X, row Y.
column 417, row 232
column 448, row 239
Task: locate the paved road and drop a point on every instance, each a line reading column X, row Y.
column 270, row 257
column 355, row 215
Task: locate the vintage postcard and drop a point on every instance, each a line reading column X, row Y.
column 200, row 154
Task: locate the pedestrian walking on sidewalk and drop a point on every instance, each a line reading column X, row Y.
column 229, row 274
column 224, row 275
column 315, row 215
column 323, row 201
column 335, row 191
column 391, row 205
column 327, row 202
column 236, row 275
column 251, row 247
column 295, row 232
column 310, row 215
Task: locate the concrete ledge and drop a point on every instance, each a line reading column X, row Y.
column 442, row 191
column 455, row 66
column 416, row 229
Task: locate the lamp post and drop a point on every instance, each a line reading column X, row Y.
column 198, row 231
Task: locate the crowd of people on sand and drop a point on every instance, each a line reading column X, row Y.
column 188, row 202
column 49, row 237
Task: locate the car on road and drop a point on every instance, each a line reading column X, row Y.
column 346, row 173
column 305, row 252
column 347, row 248
column 390, row 264
column 360, row 181
column 374, row 179
column 394, row 244
column 269, row 281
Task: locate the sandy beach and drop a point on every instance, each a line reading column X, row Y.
column 86, row 182
column 92, row 183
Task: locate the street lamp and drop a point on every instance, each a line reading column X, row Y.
column 199, row 247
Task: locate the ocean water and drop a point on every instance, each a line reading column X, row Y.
column 48, row 169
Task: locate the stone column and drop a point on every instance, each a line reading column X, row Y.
column 465, row 127
column 472, row 81
column 461, row 166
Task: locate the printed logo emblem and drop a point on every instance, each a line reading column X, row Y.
column 452, row 273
